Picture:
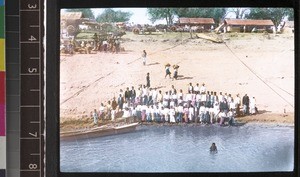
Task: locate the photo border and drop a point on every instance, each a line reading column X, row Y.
column 52, row 71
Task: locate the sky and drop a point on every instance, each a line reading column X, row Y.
column 139, row 15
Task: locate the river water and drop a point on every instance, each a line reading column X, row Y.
column 248, row 148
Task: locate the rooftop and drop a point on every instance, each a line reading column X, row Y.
column 196, row 21
column 249, row 22
column 71, row 15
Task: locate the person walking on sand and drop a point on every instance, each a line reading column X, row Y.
column 95, row 116
column 168, row 72
column 144, row 57
column 148, row 80
column 175, row 76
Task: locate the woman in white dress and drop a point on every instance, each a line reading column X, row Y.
column 166, row 114
column 191, row 113
column 252, row 105
column 172, row 114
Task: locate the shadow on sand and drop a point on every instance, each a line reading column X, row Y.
column 152, row 33
column 125, row 52
column 262, row 111
column 156, row 63
column 159, row 87
column 181, row 77
column 257, row 113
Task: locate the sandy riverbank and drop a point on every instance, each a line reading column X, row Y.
column 248, row 63
column 267, row 119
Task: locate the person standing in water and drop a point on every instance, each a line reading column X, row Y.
column 213, row 148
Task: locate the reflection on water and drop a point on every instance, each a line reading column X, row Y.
column 183, row 149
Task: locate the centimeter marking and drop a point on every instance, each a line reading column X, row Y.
column 31, row 75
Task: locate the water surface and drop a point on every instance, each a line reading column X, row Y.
column 246, row 148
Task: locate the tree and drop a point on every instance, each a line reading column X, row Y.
column 215, row 13
column 290, row 14
column 239, row 12
column 275, row 14
column 109, row 15
column 87, row 13
column 170, row 13
column 162, row 13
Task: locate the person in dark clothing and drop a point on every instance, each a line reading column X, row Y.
column 150, row 99
column 127, row 95
column 222, row 105
column 175, row 76
column 206, row 117
column 168, row 72
column 120, row 103
column 145, row 99
column 213, row 148
column 245, row 104
column 148, row 80
column 114, row 106
column 96, row 40
column 132, row 94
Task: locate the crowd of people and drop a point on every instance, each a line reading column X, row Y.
column 195, row 104
column 96, row 44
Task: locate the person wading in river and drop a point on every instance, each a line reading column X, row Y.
column 213, row 148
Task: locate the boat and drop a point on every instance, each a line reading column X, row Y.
column 97, row 132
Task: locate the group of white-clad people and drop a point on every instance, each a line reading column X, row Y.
column 195, row 105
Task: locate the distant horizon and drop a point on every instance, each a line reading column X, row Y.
column 139, row 15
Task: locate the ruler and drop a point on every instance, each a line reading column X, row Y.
column 12, row 87
column 31, row 85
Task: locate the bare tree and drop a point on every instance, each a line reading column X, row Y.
column 240, row 13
